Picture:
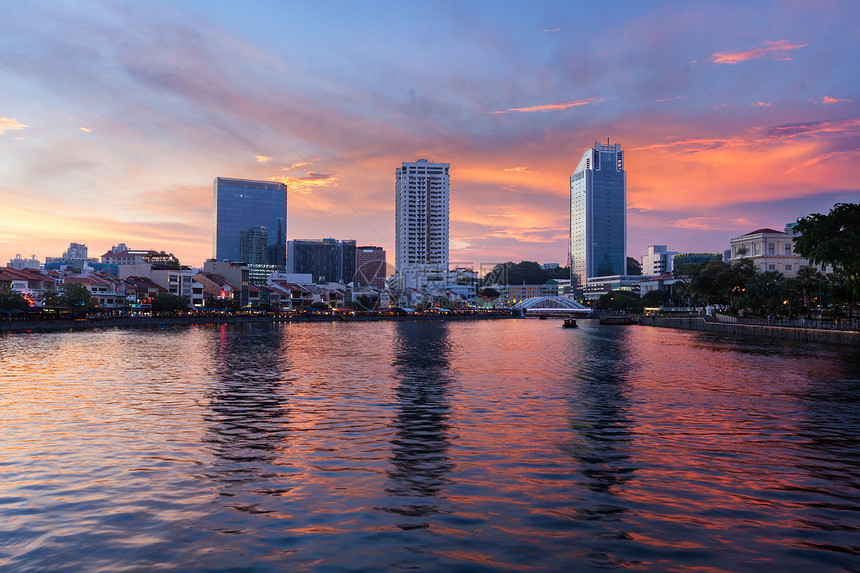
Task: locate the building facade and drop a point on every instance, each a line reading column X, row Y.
column 422, row 191
column 657, row 259
column 370, row 266
column 326, row 260
column 770, row 250
column 256, row 210
column 598, row 215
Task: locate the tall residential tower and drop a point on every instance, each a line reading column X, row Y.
column 421, row 221
column 598, row 215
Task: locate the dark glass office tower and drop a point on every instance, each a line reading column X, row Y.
column 598, row 215
column 245, row 214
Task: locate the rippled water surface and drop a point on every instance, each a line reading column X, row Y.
column 461, row 446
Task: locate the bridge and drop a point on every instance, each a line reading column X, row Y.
column 551, row 306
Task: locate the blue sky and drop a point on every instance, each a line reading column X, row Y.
column 115, row 117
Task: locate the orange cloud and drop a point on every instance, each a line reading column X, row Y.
column 828, row 100
column 760, row 104
column 517, row 170
column 86, row 130
column 712, row 223
column 553, row 106
column 776, row 50
column 9, row 123
column 262, row 158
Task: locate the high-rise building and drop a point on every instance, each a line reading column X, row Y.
column 370, row 266
column 326, row 260
column 421, row 220
column 253, row 208
column 598, row 215
column 657, row 259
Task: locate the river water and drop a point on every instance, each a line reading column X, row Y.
column 447, row 446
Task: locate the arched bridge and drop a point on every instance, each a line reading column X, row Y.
column 551, row 305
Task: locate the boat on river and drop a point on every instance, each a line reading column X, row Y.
column 618, row 319
column 569, row 323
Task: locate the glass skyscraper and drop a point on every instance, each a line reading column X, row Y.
column 247, row 214
column 598, row 215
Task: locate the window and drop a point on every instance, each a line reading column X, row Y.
column 788, row 248
column 771, row 267
column 788, row 267
column 771, row 248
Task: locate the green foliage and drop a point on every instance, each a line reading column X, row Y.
column 834, row 239
column 655, row 298
column 164, row 302
column 524, row 272
column 490, row 293
column 75, row 294
column 13, row 300
column 620, row 300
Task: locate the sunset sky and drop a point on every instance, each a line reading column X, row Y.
column 116, row 117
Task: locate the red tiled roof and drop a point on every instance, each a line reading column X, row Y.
column 760, row 231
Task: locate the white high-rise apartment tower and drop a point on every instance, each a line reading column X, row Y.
column 598, row 215
column 421, row 214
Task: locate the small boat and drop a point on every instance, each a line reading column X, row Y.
column 569, row 323
column 542, row 317
column 618, row 319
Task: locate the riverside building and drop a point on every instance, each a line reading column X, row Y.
column 421, row 222
column 250, row 224
column 598, row 215
column 326, row 260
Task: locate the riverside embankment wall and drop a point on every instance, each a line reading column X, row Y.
column 775, row 332
column 137, row 322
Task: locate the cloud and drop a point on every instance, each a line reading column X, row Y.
column 520, row 169
column 9, row 123
column 553, row 106
column 308, row 183
column 86, row 130
column 843, row 126
column 262, row 158
column 828, row 100
column 669, row 99
column 712, row 223
column 761, row 104
column 777, row 50
column 552, row 30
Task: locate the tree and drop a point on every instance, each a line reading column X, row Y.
column 811, row 284
column 75, row 294
column 620, row 300
column 164, row 302
column 634, row 267
column 524, row 272
column 762, row 293
column 13, row 300
column 655, row 298
column 834, row 239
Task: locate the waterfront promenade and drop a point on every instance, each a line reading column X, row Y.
column 774, row 330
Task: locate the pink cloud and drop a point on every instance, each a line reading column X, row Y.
column 828, row 100
column 761, row 104
column 553, row 106
column 776, row 50
column 8, row 123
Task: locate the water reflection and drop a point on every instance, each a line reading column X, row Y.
column 599, row 414
column 419, row 458
column 249, row 413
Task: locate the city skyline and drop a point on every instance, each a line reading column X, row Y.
column 115, row 118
